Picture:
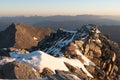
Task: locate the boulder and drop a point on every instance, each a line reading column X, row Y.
column 46, row 72
column 86, row 49
column 18, row 70
column 97, row 51
column 95, row 36
column 79, row 44
column 22, row 51
column 65, row 75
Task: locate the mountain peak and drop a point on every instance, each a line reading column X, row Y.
column 87, row 41
column 22, row 36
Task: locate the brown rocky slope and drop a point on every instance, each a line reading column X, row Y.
column 22, row 36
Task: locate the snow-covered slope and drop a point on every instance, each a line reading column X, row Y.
column 56, row 41
column 40, row 60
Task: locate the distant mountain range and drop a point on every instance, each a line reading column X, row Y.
column 69, row 22
column 109, row 25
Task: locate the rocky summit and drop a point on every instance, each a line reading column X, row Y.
column 22, row 36
column 92, row 43
column 84, row 54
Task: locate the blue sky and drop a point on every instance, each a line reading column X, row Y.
column 59, row 7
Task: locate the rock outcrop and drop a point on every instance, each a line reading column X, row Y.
column 22, row 36
column 18, row 70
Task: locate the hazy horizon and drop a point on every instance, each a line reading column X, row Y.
column 59, row 7
column 59, row 15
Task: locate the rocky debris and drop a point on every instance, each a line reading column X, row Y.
column 70, row 50
column 18, row 70
column 65, row 75
column 22, row 51
column 76, row 71
column 22, row 36
column 101, row 50
column 46, row 72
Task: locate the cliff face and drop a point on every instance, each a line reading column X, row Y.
column 22, row 36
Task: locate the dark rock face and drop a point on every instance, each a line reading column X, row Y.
column 8, row 37
column 52, row 44
column 22, row 36
column 18, row 70
column 4, row 52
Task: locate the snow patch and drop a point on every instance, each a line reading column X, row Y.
column 56, row 48
column 69, row 31
column 86, row 60
column 97, row 40
column 35, row 38
column 97, row 31
column 6, row 60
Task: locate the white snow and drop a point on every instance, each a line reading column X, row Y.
column 35, row 38
column 74, row 76
column 70, row 31
column 97, row 31
column 97, row 40
column 39, row 60
column 5, row 49
column 58, row 45
column 86, row 60
column 6, row 60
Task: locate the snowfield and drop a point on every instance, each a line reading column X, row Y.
column 39, row 60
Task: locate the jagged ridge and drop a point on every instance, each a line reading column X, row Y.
column 55, row 42
column 89, row 41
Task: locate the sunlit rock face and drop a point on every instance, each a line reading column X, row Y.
column 22, row 36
